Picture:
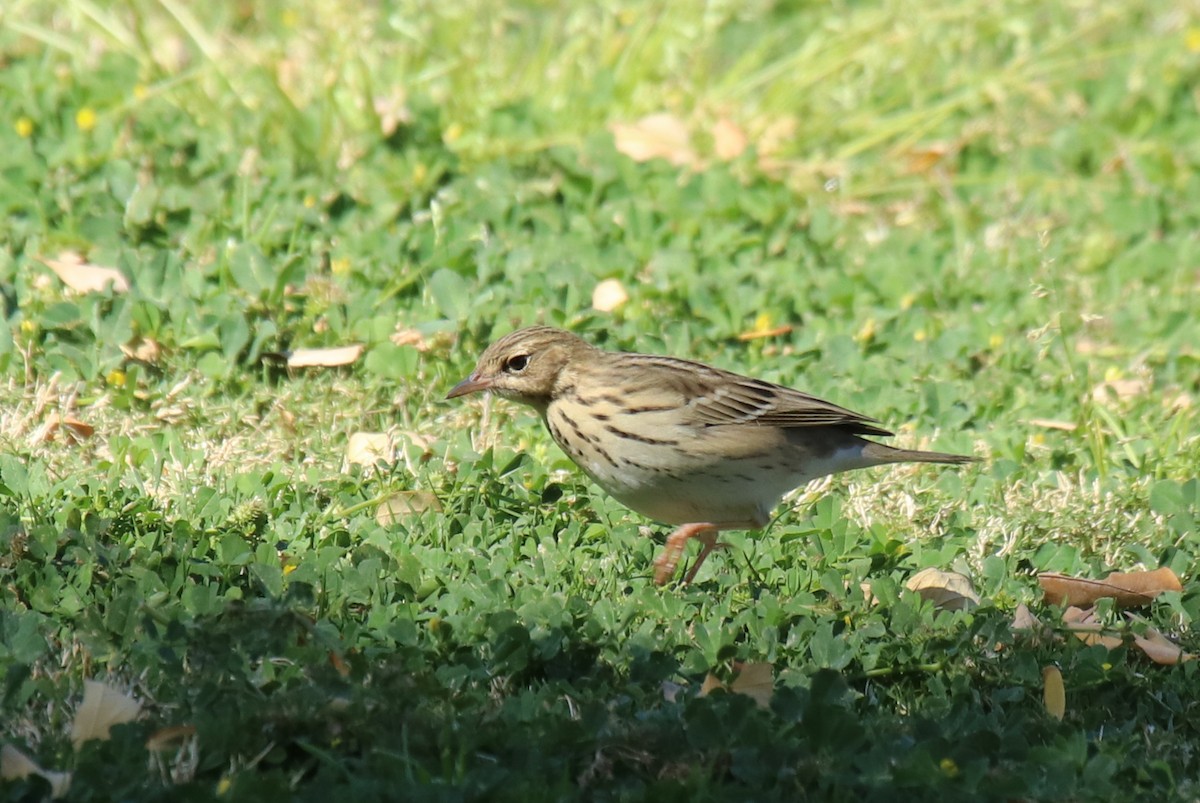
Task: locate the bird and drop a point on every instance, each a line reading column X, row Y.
column 681, row 442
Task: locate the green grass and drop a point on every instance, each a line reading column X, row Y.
column 329, row 174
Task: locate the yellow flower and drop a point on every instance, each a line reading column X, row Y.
column 1191, row 40
column 949, row 767
column 116, row 378
column 24, row 127
column 85, row 118
column 140, row 91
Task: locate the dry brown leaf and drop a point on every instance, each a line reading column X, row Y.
column 756, row 680
column 15, row 765
column 1120, row 389
column 711, row 683
column 169, row 738
column 949, row 591
column 325, row 358
column 729, row 140
column 72, row 428
column 339, row 663
column 403, row 504
column 1024, row 619
column 102, row 707
column 657, row 136
column 609, row 295
column 924, row 159
column 84, row 277
column 369, row 448
column 1050, row 423
column 410, row 337
column 1158, row 648
column 142, row 349
column 1129, row 590
column 1083, row 623
column 1054, row 693
column 759, row 334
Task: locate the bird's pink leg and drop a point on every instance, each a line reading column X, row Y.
column 666, row 563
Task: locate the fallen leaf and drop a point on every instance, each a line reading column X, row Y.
column 755, row 680
column 763, row 327
column 15, row 765
column 142, row 349
column 169, row 738
column 657, row 136
column 402, row 504
column 369, row 448
column 1054, row 693
column 72, row 429
column 1024, row 619
column 1157, row 647
column 609, row 295
column 758, row 334
column 339, row 663
column 102, row 707
column 1120, row 389
column 1084, row 625
column 324, row 358
column 1129, row 590
column 84, row 277
column 410, row 337
column 729, row 140
column 1049, row 423
column 924, row 159
column 949, row 591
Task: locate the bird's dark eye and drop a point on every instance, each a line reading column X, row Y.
column 516, row 364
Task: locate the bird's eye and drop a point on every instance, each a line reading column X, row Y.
column 516, row 364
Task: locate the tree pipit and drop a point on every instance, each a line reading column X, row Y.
column 679, row 441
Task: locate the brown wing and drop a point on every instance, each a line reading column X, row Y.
column 717, row 397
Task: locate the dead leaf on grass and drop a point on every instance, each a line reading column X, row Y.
column 1024, row 619
column 403, row 504
column 369, row 448
column 609, row 295
column 1120, row 389
column 73, row 430
column 949, row 591
column 142, row 349
column 924, row 158
column 169, row 738
column 84, row 277
column 1054, row 693
column 1131, row 589
column 729, row 140
column 102, row 707
column 1157, row 647
column 657, row 136
column 410, row 337
column 325, row 358
column 755, row 680
column 15, row 765
column 1050, row 423
column 1084, row 625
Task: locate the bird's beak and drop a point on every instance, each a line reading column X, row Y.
column 472, row 384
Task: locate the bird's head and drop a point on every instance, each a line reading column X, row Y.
column 525, row 366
